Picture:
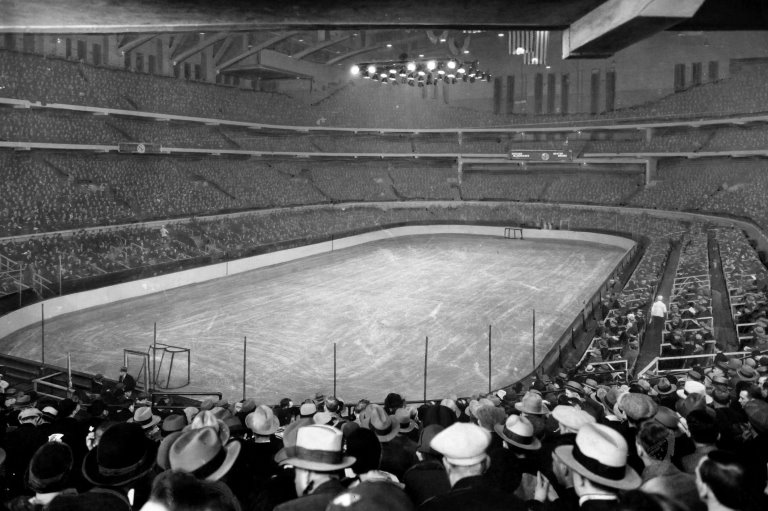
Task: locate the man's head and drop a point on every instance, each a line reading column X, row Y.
column 652, row 442
column 721, row 477
column 318, row 457
column 702, row 426
column 463, row 448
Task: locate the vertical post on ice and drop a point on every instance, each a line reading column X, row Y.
column 245, row 345
column 533, row 335
column 426, row 349
column 153, row 380
column 334, row 369
column 489, row 359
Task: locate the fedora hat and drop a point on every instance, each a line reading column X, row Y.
column 694, row 387
column 199, row 452
column 575, row 386
column 600, row 455
column 205, row 419
column 319, row 448
column 532, row 403
column 664, row 387
column 425, row 437
column 518, row 431
column 164, row 450
column 385, row 426
column 746, row 373
column 123, row 455
column 262, row 421
column 50, row 468
column 143, row 417
column 403, row 416
column 173, row 423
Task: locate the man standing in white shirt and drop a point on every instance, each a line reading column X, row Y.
column 658, row 312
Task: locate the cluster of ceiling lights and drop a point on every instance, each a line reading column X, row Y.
column 419, row 74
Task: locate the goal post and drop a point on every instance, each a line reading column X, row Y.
column 512, row 233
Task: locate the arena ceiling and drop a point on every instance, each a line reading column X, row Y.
column 290, row 39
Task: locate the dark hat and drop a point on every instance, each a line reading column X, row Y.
column 123, row 455
column 721, row 361
column 425, row 437
column 206, row 405
column 372, row 496
column 575, row 387
column 235, row 425
column 363, row 445
column 199, row 452
column 393, row 401
column 663, row 387
column 49, row 468
column 667, row 418
column 757, row 413
column 66, row 407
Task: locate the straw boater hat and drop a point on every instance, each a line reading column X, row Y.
column 600, row 455
column 518, row 431
column 533, row 404
column 318, row 448
column 123, row 455
column 199, row 452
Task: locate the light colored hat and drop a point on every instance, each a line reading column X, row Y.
column 29, row 413
column 144, row 417
column 462, row 443
column 308, row 409
column 600, row 455
column 262, row 421
column 318, row 448
column 694, row 387
column 199, row 452
column 385, row 426
column 207, row 419
column 532, row 403
column 518, row 431
column 403, row 416
column 571, row 417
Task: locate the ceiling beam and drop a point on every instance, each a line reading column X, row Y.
column 319, row 46
column 176, row 41
column 255, row 49
column 135, row 43
column 617, row 24
column 222, row 50
column 200, row 46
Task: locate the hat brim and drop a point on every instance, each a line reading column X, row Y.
column 664, row 392
column 164, row 449
column 154, row 422
column 233, row 451
column 411, row 426
column 521, row 408
column 630, row 481
column 90, row 468
column 390, row 435
column 269, row 429
column 535, row 444
column 318, row 466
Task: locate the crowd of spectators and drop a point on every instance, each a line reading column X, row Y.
column 363, row 104
column 725, row 186
column 571, row 440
